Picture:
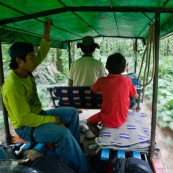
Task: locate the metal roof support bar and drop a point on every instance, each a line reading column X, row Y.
column 135, row 52
column 69, row 55
column 84, row 9
column 114, row 17
column 155, row 86
column 5, row 114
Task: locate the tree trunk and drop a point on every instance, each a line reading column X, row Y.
column 59, row 60
column 73, row 52
column 167, row 48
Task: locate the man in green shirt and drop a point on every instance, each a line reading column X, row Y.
column 25, row 110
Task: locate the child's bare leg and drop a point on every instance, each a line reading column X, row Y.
column 94, row 129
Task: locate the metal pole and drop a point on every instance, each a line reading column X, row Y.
column 69, row 55
column 135, row 51
column 5, row 114
column 155, row 86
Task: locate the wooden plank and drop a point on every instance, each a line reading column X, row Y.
column 121, row 154
column 105, row 154
column 136, row 154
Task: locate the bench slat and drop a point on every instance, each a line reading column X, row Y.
column 136, row 154
column 121, row 154
column 105, row 154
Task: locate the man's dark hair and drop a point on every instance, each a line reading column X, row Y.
column 88, row 49
column 14, row 65
column 116, row 63
column 19, row 49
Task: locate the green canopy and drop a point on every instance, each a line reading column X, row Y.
column 22, row 20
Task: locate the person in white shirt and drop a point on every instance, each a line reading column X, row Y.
column 86, row 70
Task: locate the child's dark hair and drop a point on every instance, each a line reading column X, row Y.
column 88, row 49
column 116, row 63
column 14, row 65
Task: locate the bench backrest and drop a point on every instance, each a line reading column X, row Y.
column 80, row 97
column 83, row 97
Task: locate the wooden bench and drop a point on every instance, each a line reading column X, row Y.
column 80, row 97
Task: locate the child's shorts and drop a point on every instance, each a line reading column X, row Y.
column 95, row 119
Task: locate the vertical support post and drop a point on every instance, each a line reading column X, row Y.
column 155, row 86
column 135, row 51
column 69, row 55
column 5, row 114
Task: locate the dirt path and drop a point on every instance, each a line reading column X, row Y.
column 164, row 140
